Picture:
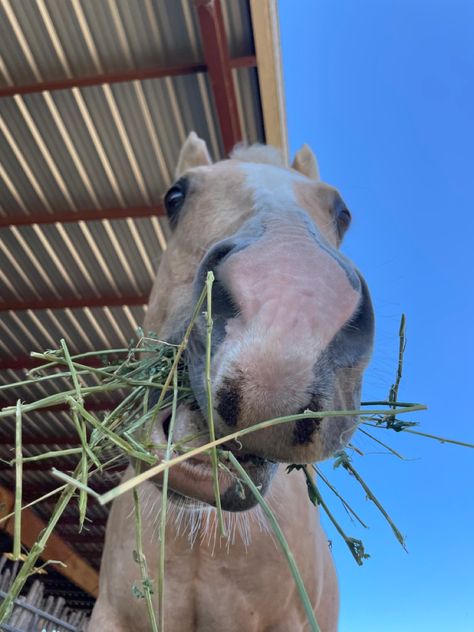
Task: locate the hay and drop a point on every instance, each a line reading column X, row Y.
column 134, row 372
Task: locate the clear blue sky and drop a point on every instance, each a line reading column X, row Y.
column 383, row 91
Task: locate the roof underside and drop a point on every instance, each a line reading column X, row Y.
column 96, row 99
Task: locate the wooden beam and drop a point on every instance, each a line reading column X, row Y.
column 266, row 34
column 77, row 569
column 97, row 406
column 85, row 538
column 47, row 464
column 73, row 520
column 119, row 77
column 26, row 363
column 72, row 302
column 34, row 491
column 85, row 215
column 70, row 440
column 216, row 54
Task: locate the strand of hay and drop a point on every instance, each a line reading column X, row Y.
column 164, row 506
column 210, row 404
column 371, row 414
column 281, row 541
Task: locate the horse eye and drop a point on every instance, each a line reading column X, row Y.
column 341, row 214
column 174, row 200
column 344, row 219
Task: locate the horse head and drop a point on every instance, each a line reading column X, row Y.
column 293, row 319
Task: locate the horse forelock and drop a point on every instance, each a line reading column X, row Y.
column 261, row 154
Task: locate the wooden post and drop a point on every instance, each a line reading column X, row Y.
column 266, row 35
column 216, row 54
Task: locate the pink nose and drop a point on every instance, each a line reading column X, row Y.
column 287, row 284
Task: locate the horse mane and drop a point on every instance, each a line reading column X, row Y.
column 258, row 153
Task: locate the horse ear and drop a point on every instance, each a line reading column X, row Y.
column 305, row 162
column 194, row 153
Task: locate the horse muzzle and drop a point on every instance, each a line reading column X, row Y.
column 293, row 330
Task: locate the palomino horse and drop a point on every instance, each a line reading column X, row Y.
column 293, row 330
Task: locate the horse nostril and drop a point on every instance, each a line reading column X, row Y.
column 304, row 429
column 223, row 305
column 166, row 425
column 217, row 254
column 229, row 399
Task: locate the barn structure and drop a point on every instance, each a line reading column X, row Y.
column 96, row 98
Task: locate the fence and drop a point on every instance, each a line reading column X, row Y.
column 35, row 612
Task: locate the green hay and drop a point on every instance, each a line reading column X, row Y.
column 125, row 431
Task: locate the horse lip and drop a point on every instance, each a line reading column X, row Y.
column 248, row 461
column 244, row 457
column 193, row 477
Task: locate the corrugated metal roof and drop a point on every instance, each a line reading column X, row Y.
column 99, row 147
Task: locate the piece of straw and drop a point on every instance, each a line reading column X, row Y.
column 210, row 405
column 356, row 547
column 384, row 445
column 344, row 502
column 33, row 502
column 36, row 550
column 179, row 353
column 464, row 444
column 140, row 558
column 18, row 483
column 343, row 459
column 281, row 541
column 393, row 393
column 157, row 469
column 164, row 507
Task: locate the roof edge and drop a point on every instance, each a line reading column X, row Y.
column 266, row 32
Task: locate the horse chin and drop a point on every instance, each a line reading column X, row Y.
column 235, row 497
column 193, row 478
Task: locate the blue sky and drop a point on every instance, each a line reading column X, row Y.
column 383, row 92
